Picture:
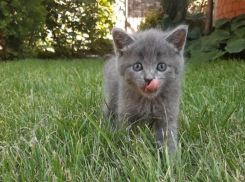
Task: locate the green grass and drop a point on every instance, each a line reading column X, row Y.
column 51, row 126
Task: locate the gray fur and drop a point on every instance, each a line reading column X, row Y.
column 124, row 87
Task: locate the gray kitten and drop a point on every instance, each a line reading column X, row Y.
column 142, row 82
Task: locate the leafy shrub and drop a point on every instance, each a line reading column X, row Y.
column 175, row 12
column 101, row 47
column 21, row 22
column 228, row 38
column 153, row 19
column 70, row 28
column 172, row 13
column 196, row 23
column 76, row 27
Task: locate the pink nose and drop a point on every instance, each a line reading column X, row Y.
column 153, row 85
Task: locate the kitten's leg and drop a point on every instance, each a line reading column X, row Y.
column 166, row 133
column 112, row 118
column 128, row 123
column 109, row 114
column 123, row 120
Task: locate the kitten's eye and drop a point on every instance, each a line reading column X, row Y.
column 161, row 67
column 137, row 67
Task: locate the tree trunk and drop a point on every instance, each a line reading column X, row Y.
column 203, row 5
column 59, row 44
column 209, row 17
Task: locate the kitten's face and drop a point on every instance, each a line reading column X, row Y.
column 150, row 57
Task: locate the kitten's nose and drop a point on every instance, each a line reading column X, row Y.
column 148, row 81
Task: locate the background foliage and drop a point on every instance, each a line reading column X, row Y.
column 171, row 13
column 77, row 28
column 226, row 38
column 20, row 25
column 175, row 12
column 51, row 28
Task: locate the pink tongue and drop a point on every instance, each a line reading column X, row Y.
column 154, row 85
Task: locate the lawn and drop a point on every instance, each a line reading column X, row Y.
column 51, row 126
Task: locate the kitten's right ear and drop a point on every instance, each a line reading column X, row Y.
column 121, row 38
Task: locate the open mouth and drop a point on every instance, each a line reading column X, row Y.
column 152, row 86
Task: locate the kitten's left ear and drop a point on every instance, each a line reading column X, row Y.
column 177, row 37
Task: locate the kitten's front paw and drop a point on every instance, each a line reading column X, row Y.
column 170, row 146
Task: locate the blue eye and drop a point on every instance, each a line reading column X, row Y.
column 161, row 67
column 137, row 67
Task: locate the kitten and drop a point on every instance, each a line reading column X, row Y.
column 142, row 82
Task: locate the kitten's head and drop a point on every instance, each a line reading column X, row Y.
column 150, row 59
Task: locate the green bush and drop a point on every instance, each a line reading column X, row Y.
column 228, row 38
column 89, row 20
column 50, row 28
column 153, row 19
column 171, row 13
column 196, row 23
column 20, row 25
column 175, row 12
column 101, row 47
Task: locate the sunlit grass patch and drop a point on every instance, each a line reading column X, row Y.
column 52, row 127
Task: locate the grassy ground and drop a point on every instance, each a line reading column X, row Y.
column 51, row 126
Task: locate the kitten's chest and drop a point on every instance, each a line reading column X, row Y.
column 151, row 108
column 147, row 111
column 135, row 106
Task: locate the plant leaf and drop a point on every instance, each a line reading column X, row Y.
column 236, row 25
column 195, row 45
column 196, row 16
column 206, row 56
column 221, row 22
column 238, row 18
column 195, row 33
column 233, row 39
column 240, row 32
column 219, row 35
column 235, row 46
column 208, row 46
column 215, row 54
